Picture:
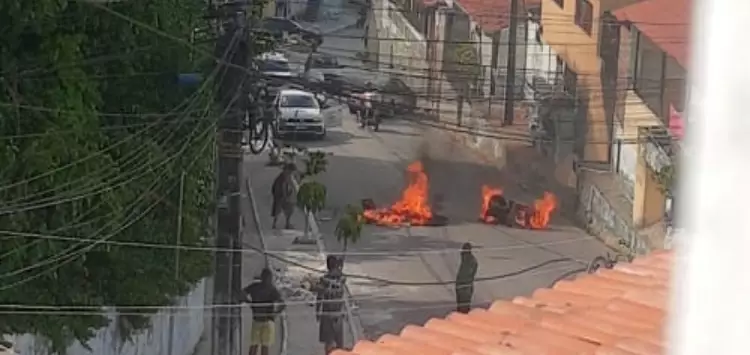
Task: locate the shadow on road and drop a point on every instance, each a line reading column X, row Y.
column 333, row 138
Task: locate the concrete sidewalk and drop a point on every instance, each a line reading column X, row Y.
column 252, row 264
column 294, row 265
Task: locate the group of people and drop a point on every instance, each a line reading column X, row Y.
column 266, row 302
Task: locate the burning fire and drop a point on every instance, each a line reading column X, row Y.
column 487, row 194
column 412, row 208
column 534, row 217
column 542, row 210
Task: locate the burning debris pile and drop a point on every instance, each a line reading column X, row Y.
column 413, row 207
column 496, row 209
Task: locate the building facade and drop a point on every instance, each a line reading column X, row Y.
column 653, row 55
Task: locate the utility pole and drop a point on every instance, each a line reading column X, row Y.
column 510, row 75
column 227, row 271
column 178, row 242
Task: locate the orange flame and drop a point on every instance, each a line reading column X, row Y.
column 412, row 208
column 487, row 194
column 542, row 210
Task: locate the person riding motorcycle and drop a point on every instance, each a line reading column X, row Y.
column 367, row 114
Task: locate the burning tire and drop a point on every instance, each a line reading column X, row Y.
column 496, row 209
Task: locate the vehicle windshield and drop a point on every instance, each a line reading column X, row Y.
column 271, row 65
column 302, row 101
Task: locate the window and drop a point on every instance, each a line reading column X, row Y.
column 298, row 101
column 649, row 75
column 560, row 3
column 657, row 79
column 584, row 15
column 570, row 79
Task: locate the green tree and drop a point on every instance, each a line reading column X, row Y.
column 311, row 196
column 73, row 174
column 349, row 227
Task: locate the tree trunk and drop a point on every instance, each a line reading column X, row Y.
column 343, row 252
column 307, row 224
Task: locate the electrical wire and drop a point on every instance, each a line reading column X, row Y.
column 67, row 252
column 148, row 309
column 394, row 253
column 70, row 256
column 132, row 157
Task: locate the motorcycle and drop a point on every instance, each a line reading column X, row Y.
column 367, row 112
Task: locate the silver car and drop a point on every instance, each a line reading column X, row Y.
column 298, row 112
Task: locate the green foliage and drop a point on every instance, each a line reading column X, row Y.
column 665, row 177
column 62, row 63
column 316, row 163
column 349, row 227
column 311, row 196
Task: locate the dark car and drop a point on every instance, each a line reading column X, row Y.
column 323, row 61
column 280, row 27
column 396, row 96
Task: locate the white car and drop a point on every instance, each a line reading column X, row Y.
column 298, row 112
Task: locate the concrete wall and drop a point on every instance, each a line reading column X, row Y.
column 189, row 326
column 401, row 48
column 540, row 68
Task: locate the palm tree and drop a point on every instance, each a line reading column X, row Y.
column 349, row 228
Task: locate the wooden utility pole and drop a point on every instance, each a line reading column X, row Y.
column 510, row 75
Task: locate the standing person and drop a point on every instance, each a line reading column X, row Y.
column 329, row 305
column 283, row 195
column 467, row 271
column 266, row 303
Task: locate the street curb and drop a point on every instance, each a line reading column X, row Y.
column 355, row 324
column 261, row 235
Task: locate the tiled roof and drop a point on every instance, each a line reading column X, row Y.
column 665, row 22
column 618, row 311
column 493, row 15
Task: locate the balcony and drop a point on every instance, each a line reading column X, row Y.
column 656, row 147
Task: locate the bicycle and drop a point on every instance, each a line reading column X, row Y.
column 609, row 260
column 259, row 127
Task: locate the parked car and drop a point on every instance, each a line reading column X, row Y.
column 396, row 96
column 298, row 112
column 283, row 28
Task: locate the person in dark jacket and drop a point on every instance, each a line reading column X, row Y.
column 329, row 305
column 283, row 195
column 467, row 271
column 266, row 303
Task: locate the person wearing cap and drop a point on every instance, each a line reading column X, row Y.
column 283, row 195
column 467, row 271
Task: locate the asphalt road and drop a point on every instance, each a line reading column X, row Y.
column 366, row 164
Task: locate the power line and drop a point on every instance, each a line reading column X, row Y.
column 393, row 253
column 135, row 156
column 67, row 252
column 144, row 309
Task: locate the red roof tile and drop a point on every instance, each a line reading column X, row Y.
column 493, row 15
column 665, row 22
column 621, row 311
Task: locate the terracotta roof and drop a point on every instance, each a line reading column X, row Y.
column 665, row 22
column 492, row 15
column 618, row 311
